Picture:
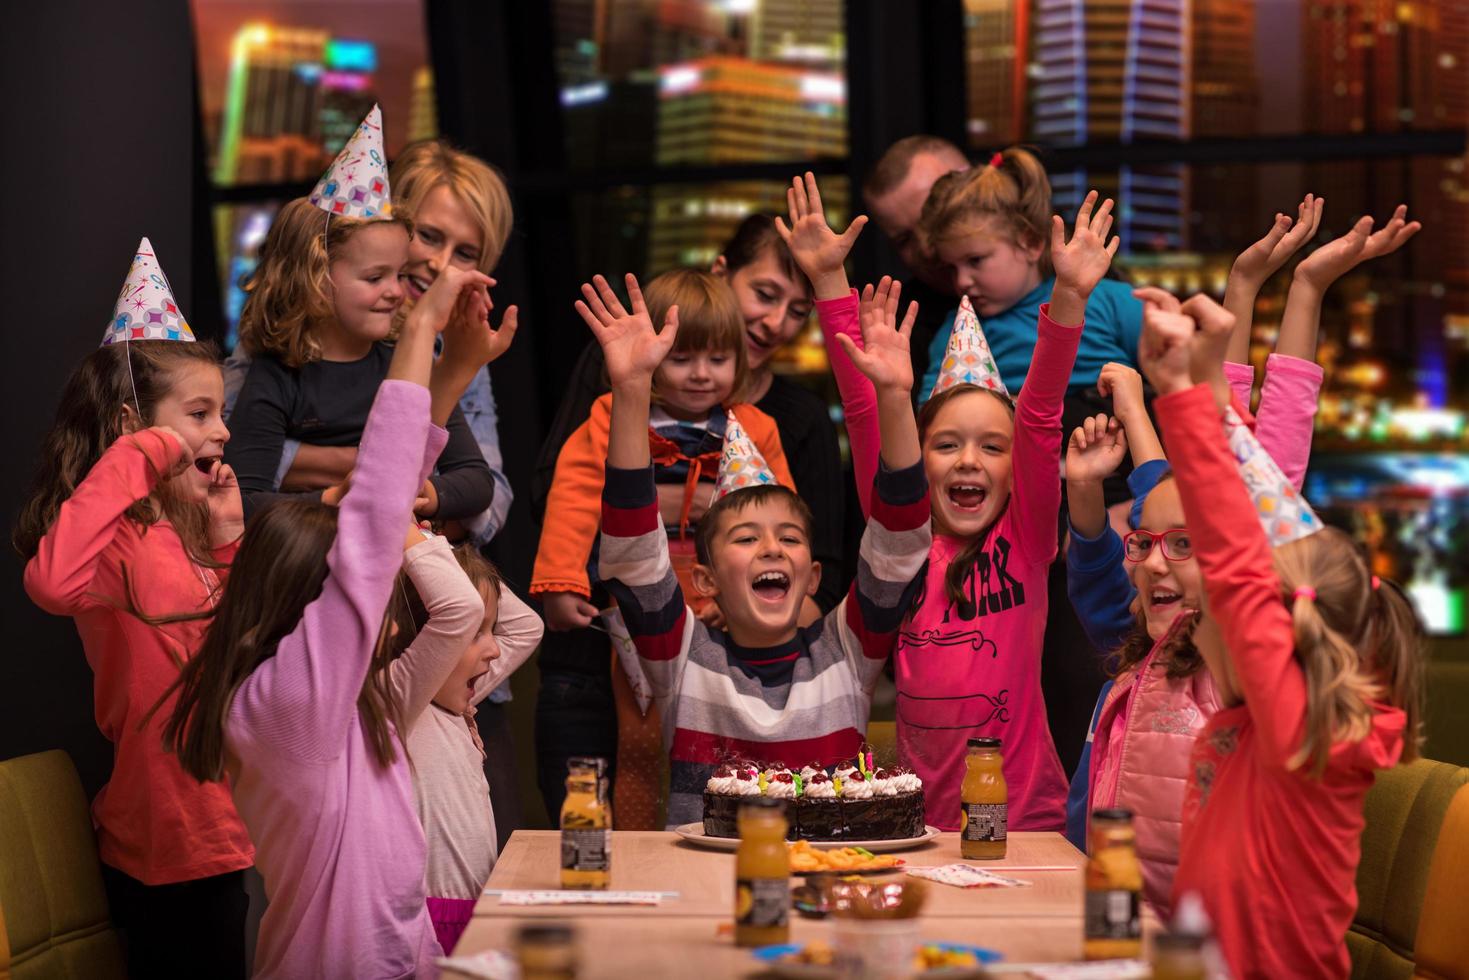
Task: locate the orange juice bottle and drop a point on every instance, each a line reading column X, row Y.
column 1114, row 881
column 986, row 802
column 586, row 827
column 762, row 874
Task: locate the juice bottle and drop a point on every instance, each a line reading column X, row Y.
column 1114, row 880
column 762, row 874
column 985, row 800
column 586, row 826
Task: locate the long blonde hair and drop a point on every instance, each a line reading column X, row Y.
column 1358, row 641
column 477, row 186
column 289, row 292
column 1012, row 192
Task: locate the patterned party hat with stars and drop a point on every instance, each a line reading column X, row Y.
column 741, row 465
column 356, row 184
column 968, row 360
column 1284, row 513
column 146, row 309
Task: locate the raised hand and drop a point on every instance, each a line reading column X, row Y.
column 883, row 356
column 1156, row 297
column 1338, row 257
column 440, row 304
column 820, row 252
column 1264, row 258
column 1081, row 262
column 468, row 337
column 1125, row 387
column 1210, row 344
column 633, row 349
column 1095, row 450
column 1164, row 349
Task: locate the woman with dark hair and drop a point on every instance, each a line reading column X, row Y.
column 574, row 712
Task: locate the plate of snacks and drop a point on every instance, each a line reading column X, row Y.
column 931, row 961
column 808, row 860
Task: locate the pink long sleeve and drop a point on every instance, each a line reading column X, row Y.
column 859, row 398
column 519, row 631
column 1241, row 378
column 1239, row 574
column 455, row 610
column 1035, row 494
column 304, row 698
column 1287, row 416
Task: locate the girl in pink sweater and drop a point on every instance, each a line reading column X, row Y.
column 1161, row 699
column 1317, row 665
column 968, row 657
column 290, row 697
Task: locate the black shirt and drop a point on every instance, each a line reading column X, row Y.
column 325, row 403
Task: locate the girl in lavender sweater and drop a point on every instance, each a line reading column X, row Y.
column 290, row 695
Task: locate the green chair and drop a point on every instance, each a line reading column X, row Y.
column 52, row 902
column 1404, row 812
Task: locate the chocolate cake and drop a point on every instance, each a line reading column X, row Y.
column 865, row 805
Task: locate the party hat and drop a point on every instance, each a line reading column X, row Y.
column 356, row 184
column 741, row 465
column 145, row 308
column 1284, row 513
column 968, row 359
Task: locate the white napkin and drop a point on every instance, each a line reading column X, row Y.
column 967, row 876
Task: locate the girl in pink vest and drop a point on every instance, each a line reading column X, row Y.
column 1148, row 717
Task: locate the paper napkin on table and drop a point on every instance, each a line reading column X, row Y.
column 966, row 876
column 556, row 897
column 492, row 964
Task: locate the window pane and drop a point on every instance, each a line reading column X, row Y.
column 1068, row 72
column 239, row 231
column 284, row 84
column 693, row 82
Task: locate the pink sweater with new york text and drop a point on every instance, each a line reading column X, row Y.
column 972, row 668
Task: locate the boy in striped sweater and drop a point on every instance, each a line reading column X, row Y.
column 763, row 687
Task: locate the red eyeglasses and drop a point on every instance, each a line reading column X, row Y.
column 1176, row 542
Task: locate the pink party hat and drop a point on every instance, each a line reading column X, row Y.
column 356, row 184
column 146, row 309
column 741, row 465
column 1284, row 513
column 968, row 359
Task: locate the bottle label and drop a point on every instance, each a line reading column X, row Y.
column 762, row 902
column 1112, row 914
column 586, row 850
column 985, row 821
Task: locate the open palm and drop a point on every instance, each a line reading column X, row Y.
column 884, row 355
column 1338, row 257
column 1082, row 262
column 632, row 348
column 1264, row 258
column 815, row 247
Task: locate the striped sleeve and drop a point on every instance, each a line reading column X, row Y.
column 635, row 569
column 889, row 568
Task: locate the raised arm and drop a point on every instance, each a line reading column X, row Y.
column 454, row 611
column 1258, row 263
column 1097, row 582
column 884, row 361
column 518, row 630
column 60, row 576
column 1080, row 264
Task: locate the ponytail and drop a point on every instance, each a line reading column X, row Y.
column 1012, row 191
column 1358, row 642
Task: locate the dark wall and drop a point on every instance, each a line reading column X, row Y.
column 98, row 151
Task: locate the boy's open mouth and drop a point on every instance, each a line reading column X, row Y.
column 967, row 496
column 772, row 586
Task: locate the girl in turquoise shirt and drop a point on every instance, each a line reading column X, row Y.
column 990, row 226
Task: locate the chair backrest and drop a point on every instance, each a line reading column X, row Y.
column 1404, row 811
column 1442, row 948
column 54, row 907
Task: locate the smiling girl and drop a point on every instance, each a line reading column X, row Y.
column 130, row 529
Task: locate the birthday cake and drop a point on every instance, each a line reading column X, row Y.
column 851, row 802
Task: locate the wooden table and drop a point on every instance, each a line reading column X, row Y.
column 684, row 936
